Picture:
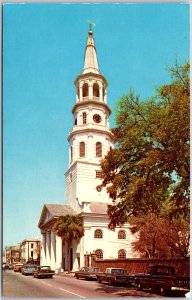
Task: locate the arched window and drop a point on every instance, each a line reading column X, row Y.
column 98, row 234
column 99, row 253
column 121, row 235
column 96, row 90
column 82, row 149
column 84, row 118
column 85, row 90
column 98, row 149
column 121, row 254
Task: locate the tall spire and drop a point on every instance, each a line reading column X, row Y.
column 90, row 62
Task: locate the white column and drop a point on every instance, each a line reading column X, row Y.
column 43, row 249
column 101, row 93
column 91, row 91
column 105, row 97
column 48, row 260
column 52, row 250
column 80, row 93
column 58, row 263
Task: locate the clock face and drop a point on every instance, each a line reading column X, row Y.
column 97, row 118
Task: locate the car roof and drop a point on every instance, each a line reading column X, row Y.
column 115, row 268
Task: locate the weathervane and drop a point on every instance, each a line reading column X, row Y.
column 91, row 23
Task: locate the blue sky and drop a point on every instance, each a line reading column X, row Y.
column 43, row 52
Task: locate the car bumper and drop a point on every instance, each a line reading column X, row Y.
column 176, row 288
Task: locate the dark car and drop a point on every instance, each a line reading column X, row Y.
column 28, row 269
column 43, row 271
column 87, row 273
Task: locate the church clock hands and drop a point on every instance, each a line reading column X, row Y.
column 97, row 118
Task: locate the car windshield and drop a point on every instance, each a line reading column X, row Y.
column 118, row 271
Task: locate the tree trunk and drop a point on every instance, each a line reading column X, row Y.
column 68, row 256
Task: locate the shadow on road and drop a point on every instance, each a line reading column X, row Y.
column 125, row 291
column 131, row 291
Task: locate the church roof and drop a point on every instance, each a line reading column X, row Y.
column 52, row 211
column 58, row 210
column 90, row 61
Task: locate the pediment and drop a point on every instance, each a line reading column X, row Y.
column 53, row 211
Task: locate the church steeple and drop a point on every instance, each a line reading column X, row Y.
column 90, row 138
column 90, row 61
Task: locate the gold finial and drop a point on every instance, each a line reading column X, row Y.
column 91, row 23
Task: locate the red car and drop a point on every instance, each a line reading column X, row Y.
column 18, row 267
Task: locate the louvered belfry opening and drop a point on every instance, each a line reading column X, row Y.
column 98, row 149
column 82, row 149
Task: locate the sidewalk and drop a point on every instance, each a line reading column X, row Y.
column 65, row 273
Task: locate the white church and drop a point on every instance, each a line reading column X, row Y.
column 89, row 141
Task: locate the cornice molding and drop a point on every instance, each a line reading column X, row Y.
column 91, row 102
column 91, row 130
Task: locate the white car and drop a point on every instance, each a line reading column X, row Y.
column 28, row 269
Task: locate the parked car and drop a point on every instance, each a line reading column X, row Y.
column 87, row 273
column 28, row 269
column 115, row 275
column 162, row 279
column 5, row 266
column 11, row 266
column 17, row 267
column 43, row 271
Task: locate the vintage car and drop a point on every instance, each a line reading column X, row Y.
column 18, row 267
column 43, row 271
column 87, row 273
column 162, row 279
column 115, row 276
column 28, row 269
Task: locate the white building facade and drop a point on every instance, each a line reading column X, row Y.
column 30, row 249
column 89, row 141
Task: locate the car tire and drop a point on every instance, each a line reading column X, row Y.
column 110, row 282
column 139, row 286
column 162, row 291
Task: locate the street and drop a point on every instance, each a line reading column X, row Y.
column 18, row 286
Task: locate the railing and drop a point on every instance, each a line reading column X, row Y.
column 94, row 98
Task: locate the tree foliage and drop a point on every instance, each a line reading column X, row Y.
column 149, row 169
column 69, row 228
column 160, row 237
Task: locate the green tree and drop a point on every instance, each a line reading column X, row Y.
column 69, row 228
column 149, row 169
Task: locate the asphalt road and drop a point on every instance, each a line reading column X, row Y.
column 15, row 285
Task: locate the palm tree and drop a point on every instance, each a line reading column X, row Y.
column 69, row 228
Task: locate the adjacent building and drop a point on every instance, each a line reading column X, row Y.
column 12, row 254
column 30, row 250
column 89, row 141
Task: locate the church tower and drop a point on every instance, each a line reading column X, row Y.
column 90, row 138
